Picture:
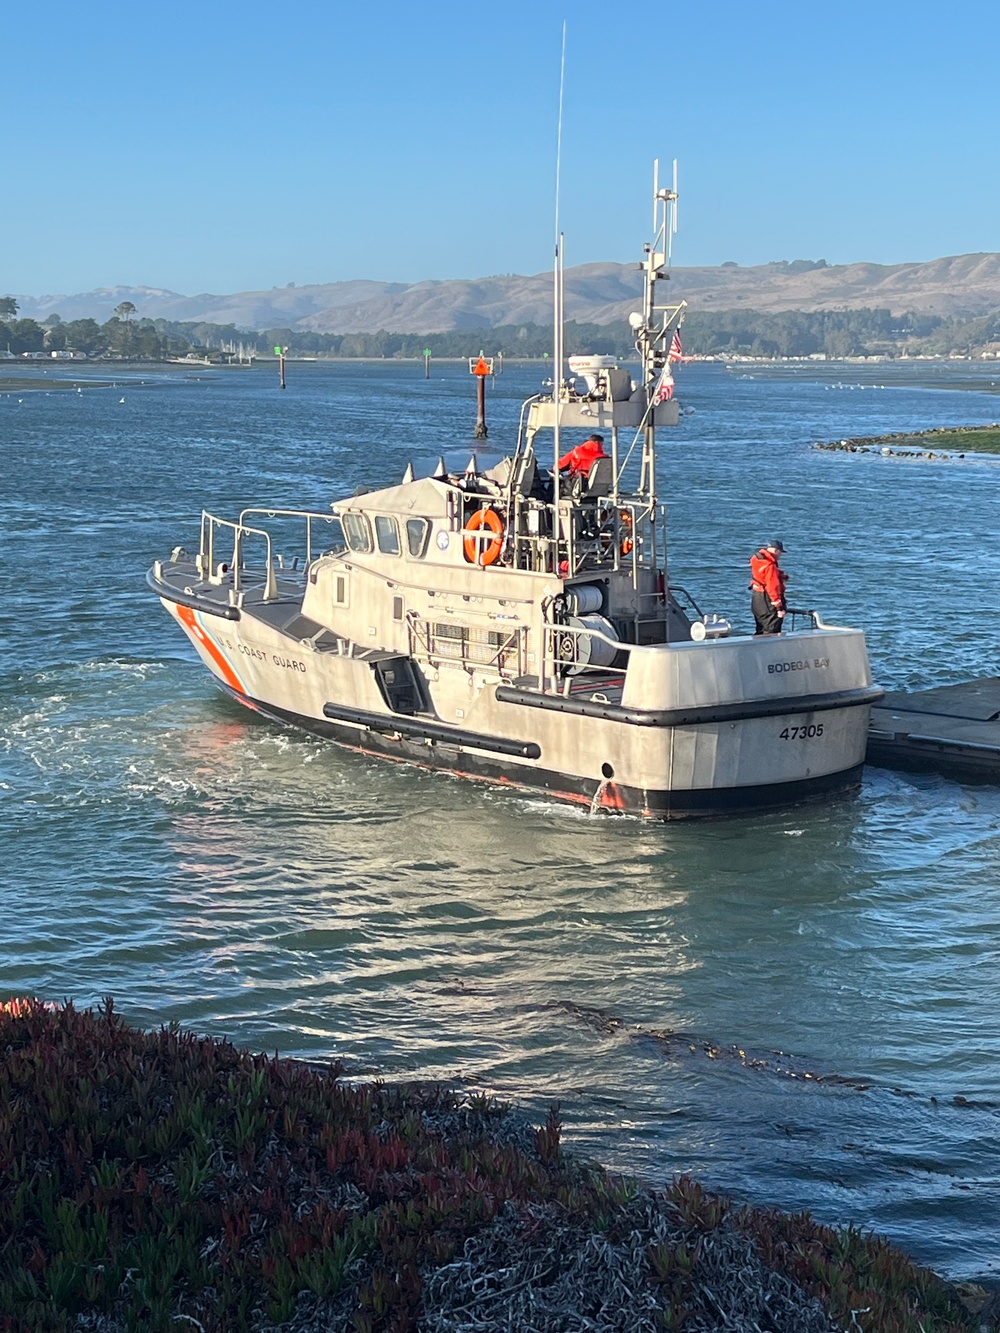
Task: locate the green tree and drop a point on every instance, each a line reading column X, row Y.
column 85, row 335
column 55, row 334
column 8, row 307
column 123, row 341
column 24, row 335
column 148, row 343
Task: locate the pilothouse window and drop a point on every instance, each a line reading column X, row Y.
column 417, row 532
column 358, row 532
column 387, row 534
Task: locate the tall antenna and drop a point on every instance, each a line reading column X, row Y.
column 559, row 124
column 665, row 222
column 676, row 196
column 557, row 329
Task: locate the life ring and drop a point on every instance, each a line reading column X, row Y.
column 606, row 535
column 625, row 521
column 475, row 551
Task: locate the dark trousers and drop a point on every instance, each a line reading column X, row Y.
column 765, row 614
column 543, row 487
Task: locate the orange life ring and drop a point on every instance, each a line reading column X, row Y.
column 475, row 552
column 625, row 519
column 606, row 537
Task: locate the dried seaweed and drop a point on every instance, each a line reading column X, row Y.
column 536, row 1270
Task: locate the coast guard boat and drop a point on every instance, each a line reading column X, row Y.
column 522, row 628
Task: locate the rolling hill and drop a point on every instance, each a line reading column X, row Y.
column 962, row 285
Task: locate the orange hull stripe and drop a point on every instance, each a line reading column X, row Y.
column 188, row 618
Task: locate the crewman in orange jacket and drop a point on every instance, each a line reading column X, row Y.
column 580, row 460
column 767, row 588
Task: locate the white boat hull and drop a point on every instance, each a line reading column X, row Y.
column 677, row 744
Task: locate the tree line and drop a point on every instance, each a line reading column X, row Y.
column 119, row 336
column 835, row 333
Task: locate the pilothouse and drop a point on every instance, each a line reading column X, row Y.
column 519, row 624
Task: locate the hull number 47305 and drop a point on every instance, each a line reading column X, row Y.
column 802, row 733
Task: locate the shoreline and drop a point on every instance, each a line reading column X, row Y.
column 159, row 1178
column 717, row 358
column 955, row 441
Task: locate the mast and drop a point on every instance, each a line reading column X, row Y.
column 557, row 300
column 658, row 323
column 611, row 401
column 557, row 357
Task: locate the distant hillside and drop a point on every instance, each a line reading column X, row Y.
column 279, row 307
column 963, row 286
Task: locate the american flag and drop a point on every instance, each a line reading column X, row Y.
column 676, row 352
column 665, row 387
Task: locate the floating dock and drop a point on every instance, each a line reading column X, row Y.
column 954, row 730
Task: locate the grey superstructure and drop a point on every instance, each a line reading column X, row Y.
column 521, row 628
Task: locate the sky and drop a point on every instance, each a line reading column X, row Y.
column 221, row 148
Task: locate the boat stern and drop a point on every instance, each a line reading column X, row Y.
column 754, row 717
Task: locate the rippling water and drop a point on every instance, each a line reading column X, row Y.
column 799, row 1008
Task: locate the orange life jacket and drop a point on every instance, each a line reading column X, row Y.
column 581, row 459
column 767, row 576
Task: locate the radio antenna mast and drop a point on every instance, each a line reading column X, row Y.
column 665, row 222
column 557, row 328
column 559, row 125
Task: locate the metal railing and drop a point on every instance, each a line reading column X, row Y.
column 564, row 656
column 502, row 650
column 684, row 600
column 310, row 516
column 606, row 535
column 815, row 620
column 214, row 569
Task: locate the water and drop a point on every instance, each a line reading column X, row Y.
column 169, row 848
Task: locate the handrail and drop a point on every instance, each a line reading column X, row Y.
column 689, row 600
column 553, row 651
column 210, row 570
column 620, row 520
column 511, row 640
column 813, row 616
column 592, row 634
column 351, row 561
column 552, row 655
column 307, row 514
column 206, row 558
column 521, row 431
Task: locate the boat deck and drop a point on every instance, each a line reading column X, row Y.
column 597, row 686
column 180, row 579
column 954, row 730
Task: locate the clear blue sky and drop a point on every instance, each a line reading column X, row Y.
column 244, row 145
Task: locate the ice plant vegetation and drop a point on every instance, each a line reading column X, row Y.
column 161, row 1180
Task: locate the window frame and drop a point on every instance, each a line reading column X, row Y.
column 363, row 528
column 424, row 540
column 388, row 523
